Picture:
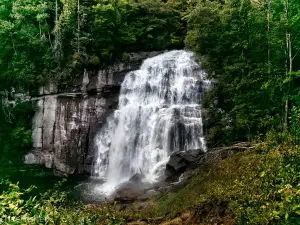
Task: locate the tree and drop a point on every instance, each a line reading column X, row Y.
column 25, row 47
column 241, row 46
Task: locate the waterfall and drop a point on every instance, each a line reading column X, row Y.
column 159, row 112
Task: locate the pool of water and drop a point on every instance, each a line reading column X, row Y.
column 44, row 179
column 83, row 188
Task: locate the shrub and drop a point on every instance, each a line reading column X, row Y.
column 53, row 207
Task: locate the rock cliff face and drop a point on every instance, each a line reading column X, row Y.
column 68, row 118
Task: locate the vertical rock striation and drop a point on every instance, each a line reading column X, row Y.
column 67, row 118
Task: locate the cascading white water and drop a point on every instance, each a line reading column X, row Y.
column 159, row 112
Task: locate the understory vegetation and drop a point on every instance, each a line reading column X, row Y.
column 250, row 50
column 52, row 207
column 258, row 186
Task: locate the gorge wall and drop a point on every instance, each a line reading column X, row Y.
column 68, row 118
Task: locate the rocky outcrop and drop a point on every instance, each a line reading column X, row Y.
column 180, row 162
column 68, row 117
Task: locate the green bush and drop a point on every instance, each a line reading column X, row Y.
column 53, row 207
column 15, row 132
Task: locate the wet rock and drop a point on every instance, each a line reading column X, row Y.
column 39, row 158
column 181, row 161
column 60, row 174
column 137, row 178
column 189, row 156
column 148, row 195
column 34, row 158
column 128, row 195
column 176, row 163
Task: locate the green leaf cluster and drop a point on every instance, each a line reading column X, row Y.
column 15, row 132
column 244, row 47
column 52, row 207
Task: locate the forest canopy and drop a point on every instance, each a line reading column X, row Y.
column 44, row 40
column 250, row 50
column 41, row 38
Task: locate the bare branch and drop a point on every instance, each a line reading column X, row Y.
column 296, row 53
column 294, row 39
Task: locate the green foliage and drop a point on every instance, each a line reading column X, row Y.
column 243, row 47
column 295, row 125
column 15, row 132
column 104, row 30
column 25, row 56
column 40, row 40
column 260, row 186
column 276, row 199
column 53, row 207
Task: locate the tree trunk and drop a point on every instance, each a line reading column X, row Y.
column 56, row 11
column 78, row 25
column 289, row 67
column 268, row 35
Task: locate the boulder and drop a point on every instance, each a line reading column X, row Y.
column 128, row 195
column 189, row 156
column 181, row 161
column 137, row 178
column 148, row 195
column 39, row 158
column 176, row 163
